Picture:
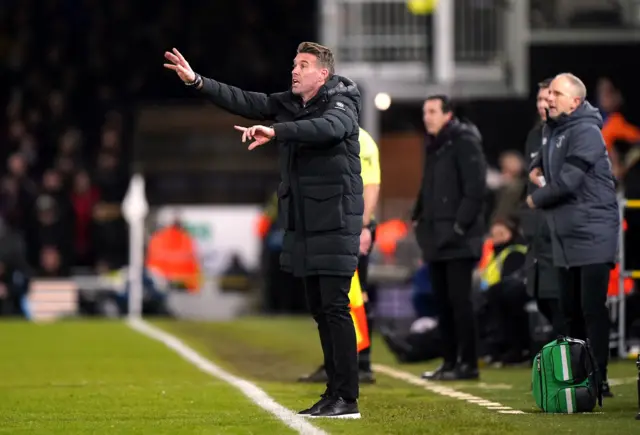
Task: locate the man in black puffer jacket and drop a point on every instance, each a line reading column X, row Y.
column 320, row 197
column 450, row 230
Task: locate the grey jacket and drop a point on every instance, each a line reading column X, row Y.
column 579, row 198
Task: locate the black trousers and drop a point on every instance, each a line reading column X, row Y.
column 583, row 301
column 550, row 309
column 328, row 299
column 451, row 281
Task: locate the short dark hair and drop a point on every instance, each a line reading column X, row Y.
column 545, row 83
column 322, row 53
column 447, row 105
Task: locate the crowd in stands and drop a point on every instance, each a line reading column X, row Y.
column 72, row 73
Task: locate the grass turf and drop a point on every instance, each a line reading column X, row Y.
column 86, row 377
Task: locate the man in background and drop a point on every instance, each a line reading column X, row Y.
column 370, row 160
column 578, row 195
column 450, row 230
column 543, row 278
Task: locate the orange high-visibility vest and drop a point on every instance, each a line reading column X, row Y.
column 613, row 282
column 172, row 253
column 358, row 314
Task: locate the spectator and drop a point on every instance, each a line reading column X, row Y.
column 51, row 265
column 84, row 197
column 503, row 281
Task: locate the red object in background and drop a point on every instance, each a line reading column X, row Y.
column 388, row 233
column 487, row 252
column 83, row 208
column 262, row 226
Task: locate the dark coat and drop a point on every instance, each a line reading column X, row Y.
column 579, row 198
column 543, row 278
column 320, row 194
column 449, row 209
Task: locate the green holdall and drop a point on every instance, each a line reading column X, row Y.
column 565, row 377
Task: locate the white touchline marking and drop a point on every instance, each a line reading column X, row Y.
column 252, row 391
column 444, row 391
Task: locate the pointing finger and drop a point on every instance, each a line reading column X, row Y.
column 171, row 57
column 240, row 128
column 180, row 57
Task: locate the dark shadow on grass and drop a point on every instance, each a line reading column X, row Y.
column 258, row 362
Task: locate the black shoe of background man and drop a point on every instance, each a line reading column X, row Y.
column 462, row 372
column 366, row 377
column 606, row 389
column 432, row 376
column 338, row 408
column 319, row 376
column 325, row 400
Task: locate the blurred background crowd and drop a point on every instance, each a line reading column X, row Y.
column 76, row 74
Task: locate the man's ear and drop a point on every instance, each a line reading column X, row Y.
column 324, row 73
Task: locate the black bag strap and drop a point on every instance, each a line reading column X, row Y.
column 596, row 373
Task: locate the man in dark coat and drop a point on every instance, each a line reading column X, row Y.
column 543, row 278
column 450, row 230
column 320, row 197
column 578, row 195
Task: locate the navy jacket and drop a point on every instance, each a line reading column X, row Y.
column 579, row 197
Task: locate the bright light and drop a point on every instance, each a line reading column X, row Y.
column 382, row 101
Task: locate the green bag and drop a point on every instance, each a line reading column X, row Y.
column 565, row 377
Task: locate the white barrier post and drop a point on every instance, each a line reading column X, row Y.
column 135, row 210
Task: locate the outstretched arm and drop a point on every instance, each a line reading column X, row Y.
column 337, row 122
column 251, row 105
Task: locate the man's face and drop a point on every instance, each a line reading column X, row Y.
column 511, row 167
column 561, row 99
column 500, row 234
column 433, row 116
column 608, row 97
column 542, row 103
column 307, row 76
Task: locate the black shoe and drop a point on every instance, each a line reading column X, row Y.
column 338, row 408
column 606, row 390
column 318, row 406
column 319, row 376
column 462, row 372
column 366, row 377
column 437, row 373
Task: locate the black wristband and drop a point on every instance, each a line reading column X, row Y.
column 195, row 83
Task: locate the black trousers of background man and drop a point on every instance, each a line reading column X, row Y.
column 328, row 298
column 451, row 281
column 583, row 301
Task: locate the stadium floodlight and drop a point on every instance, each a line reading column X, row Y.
column 382, row 101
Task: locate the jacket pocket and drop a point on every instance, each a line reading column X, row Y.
column 571, row 220
column 444, row 234
column 322, row 206
column 284, row 206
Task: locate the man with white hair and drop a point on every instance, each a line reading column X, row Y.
column 577, row 192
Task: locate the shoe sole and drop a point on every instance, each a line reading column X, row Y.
column 344, row 416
